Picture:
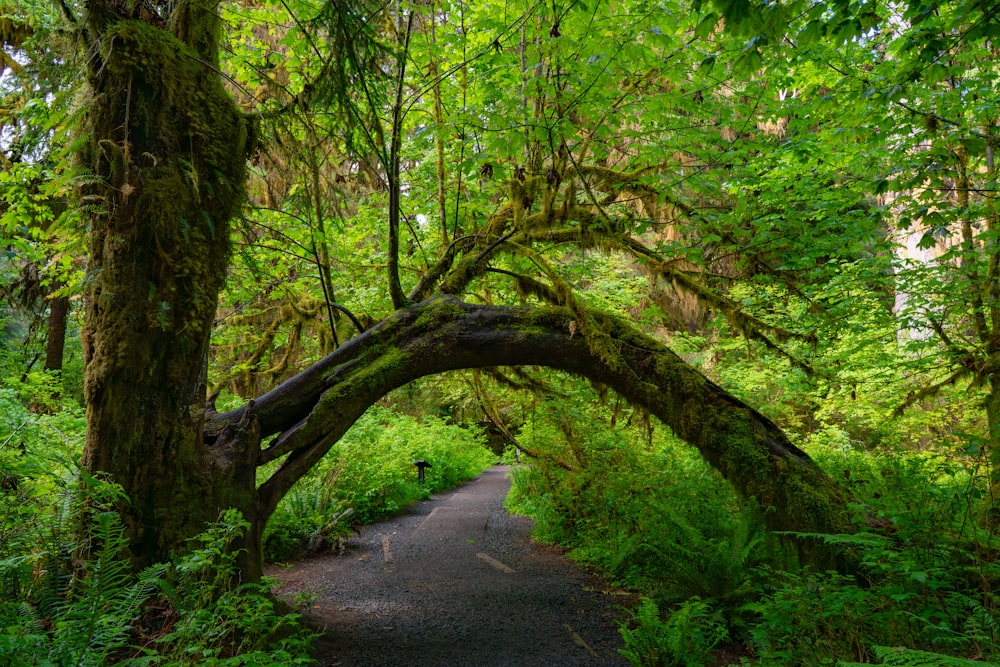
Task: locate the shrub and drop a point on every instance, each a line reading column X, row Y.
column 88, row 608
column 369, row 474
column 684, row 639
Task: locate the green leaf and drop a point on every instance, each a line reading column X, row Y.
column 707, row 25
column 812, row 33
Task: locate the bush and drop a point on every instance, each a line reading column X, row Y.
column 652, row 516
column 369, row 474
column 684, row 639
column 646, row 511
column 88, row 608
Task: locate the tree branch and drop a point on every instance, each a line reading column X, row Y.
column 399, row 299
column 443, row 334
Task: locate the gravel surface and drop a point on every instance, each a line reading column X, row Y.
column 456, row 581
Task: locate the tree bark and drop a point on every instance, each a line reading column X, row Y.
column 167, row 146
column 992, row 443
column 55, row 334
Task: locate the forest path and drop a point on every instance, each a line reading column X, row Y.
column 455, row 581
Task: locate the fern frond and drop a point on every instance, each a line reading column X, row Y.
column 865, row 540
column 103, row 602
column 907, row 657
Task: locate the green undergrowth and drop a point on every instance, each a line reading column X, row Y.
column 643, row 509
column 904, row 657
column 369, row 475
column 72, row 600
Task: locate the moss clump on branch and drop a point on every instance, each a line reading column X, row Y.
column 170, row 145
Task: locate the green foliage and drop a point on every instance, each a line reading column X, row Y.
column 90, row 609
column 927, row 583
column 912, row 658
column 808, row 188
column 370, row 474
column 684, row 639
column 95, row 617
column 636, row 499
column 644, row 510
column 221, row 621
column 38, row 466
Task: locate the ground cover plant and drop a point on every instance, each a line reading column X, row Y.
column 68, row 601
column 920, row 572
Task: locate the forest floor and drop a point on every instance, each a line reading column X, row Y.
column 455, row 581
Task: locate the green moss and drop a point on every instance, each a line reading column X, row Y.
column 179, row 130
column 437, row 313
column 387, row 363
column 171, row 146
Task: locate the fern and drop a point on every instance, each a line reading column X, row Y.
column 981, row 624
column 684, row 639
column 642, row 643
column 86, row 610
column 907, row 657
column 706, row 566
column 54, row 586
column 22, row 635
column 914, row 658
column 216, row 617
column 103, row 603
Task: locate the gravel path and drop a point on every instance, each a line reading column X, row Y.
column 455, row 581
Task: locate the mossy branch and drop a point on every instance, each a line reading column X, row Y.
column 930, row 390
column 316, row 407
column 524, row 381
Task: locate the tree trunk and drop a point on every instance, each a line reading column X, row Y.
column 168, row 146
column 993, row 445
column 55, row 334
column 314, row 409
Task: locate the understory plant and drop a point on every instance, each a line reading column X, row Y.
column 685, row 639
column 905, row 657
column 920, row 574
column 83, row 605
column 370, row 474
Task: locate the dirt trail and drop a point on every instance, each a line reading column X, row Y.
column 455, row 581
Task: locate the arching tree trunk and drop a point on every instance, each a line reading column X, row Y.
column 168, row 148
column 314, row 409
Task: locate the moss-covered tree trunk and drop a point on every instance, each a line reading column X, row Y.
column 55, row 333
column 314, row 409
column 993, row 445
column 167, row 147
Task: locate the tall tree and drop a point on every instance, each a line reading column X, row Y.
column 168, row 148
